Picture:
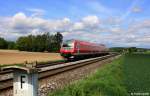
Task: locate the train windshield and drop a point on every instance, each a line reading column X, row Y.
column 68, row 43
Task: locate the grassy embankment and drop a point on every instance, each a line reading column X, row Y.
column 106, row 81
column 126, row 75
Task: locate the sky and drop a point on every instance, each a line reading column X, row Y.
column 116, row 23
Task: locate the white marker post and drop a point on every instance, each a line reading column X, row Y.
column 25, row 82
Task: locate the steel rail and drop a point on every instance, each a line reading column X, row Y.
column 52, row 70
column 38, row 65
column 56, row 69
column 5, row 72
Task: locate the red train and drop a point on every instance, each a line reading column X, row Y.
column 78, row 49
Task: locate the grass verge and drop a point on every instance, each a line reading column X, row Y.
column 107, row 81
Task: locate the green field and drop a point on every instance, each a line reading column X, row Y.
column 128, row 75
column 136, row 69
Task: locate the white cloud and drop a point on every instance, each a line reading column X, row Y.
column 78, row 26
column 90, row 28
column 20, row 24
column 36, row 12
column 92, row 20
column 136, row 9
column 116, row 29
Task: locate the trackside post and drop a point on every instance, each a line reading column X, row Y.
column 25, row 81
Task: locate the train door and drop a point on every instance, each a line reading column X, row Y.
column 78, row 48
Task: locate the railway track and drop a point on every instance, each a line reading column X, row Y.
column 53, row 69
column 40, row 65
column 7, row 81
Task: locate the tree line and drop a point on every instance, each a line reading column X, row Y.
column 128, row 49
column 35, row 43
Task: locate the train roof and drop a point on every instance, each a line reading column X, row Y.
column 85, row 42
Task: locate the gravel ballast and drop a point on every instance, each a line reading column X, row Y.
column 60, row 80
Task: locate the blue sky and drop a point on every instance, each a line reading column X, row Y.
column 112, row 22
column 73, row 8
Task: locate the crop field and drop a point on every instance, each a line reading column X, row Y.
column 136, row 68
column 19, row 57
column 127, row 76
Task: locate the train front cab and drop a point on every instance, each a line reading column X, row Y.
column 67, row 49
